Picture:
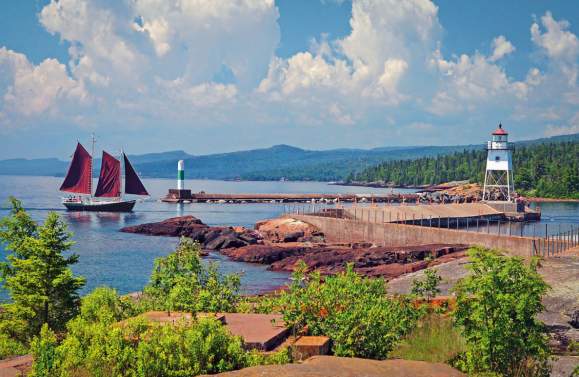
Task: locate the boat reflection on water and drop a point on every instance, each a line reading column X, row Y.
column 88, row 219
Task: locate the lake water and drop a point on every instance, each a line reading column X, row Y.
column 124, row 261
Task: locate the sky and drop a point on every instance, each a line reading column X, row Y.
column 212, row 76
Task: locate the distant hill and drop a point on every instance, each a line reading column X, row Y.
column 261, row 164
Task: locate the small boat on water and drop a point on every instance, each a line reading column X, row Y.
column 108, row 196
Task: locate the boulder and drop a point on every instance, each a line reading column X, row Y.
column 293, row 236
column 286, row 229
column 332, row 366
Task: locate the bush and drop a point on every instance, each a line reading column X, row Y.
column 138, row 348
column 10, row 347
column 496, row 309
column 101, row 342
column 44, row 351
column 180, row 281
column 188, row 350
column 104, row 305
column 353, row 311
column 428, row 287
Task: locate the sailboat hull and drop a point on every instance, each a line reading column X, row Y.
column 118, row 206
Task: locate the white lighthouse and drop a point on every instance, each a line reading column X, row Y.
column 499, row 176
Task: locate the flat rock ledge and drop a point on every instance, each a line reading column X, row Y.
column 331, row 366
column 387, row 262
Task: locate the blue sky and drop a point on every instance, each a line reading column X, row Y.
column 215, row 76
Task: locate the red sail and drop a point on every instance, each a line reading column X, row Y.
column 78, row 178
column 110, row 178
column 133, row 184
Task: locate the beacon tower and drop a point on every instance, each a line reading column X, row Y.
column 181, row 175
column 499, row 175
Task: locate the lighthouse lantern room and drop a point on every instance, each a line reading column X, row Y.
column 499, row 175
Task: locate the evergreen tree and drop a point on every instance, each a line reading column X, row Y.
column 36, row 274
column 546, row 170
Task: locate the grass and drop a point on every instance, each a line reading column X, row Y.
column 435, row 340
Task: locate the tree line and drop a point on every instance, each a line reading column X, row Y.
column 546, row 170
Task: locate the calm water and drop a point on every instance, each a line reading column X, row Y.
column 124, row 261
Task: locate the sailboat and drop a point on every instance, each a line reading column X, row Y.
column 108, row 196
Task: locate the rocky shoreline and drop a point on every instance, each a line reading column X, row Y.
column 281, row 243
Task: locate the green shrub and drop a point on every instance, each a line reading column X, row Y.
column 353, row 311
column 103, row 304
column 101, row 342
column 428, row 287
column 254, row 357
column 44, row 352
column 138, row 348
column 180, row 281
column 11, row 347
column 497, row 306
column 188, row 350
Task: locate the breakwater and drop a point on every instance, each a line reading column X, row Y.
column 185, row 196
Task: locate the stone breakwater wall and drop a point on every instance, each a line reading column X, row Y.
column 389, row 234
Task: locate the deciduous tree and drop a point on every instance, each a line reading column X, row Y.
column 496, row 309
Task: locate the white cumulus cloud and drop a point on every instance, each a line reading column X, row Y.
column 501, row 47
column 29, row 90
column 191, row 64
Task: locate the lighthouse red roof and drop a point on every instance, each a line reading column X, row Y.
column 500, row 131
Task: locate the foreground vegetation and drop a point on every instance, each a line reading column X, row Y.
column 544, row 170
column 492, row 330
column 354, row 311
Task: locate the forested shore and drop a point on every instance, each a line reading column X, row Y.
column 548, row 170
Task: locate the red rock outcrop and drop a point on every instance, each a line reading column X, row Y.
column 387, row 262
column 210, row 237
column 274, row 243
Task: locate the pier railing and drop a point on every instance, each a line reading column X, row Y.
column 556, row 243
column 544, row 239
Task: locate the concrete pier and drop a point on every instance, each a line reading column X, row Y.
column 180, row 196
column 415, row 213
column 457, row 214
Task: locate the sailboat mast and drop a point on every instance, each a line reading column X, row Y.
column 93, row 140
column 123, row 171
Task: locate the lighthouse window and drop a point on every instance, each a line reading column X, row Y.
column 497, row 158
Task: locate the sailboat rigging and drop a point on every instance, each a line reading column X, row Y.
column 108, row 195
